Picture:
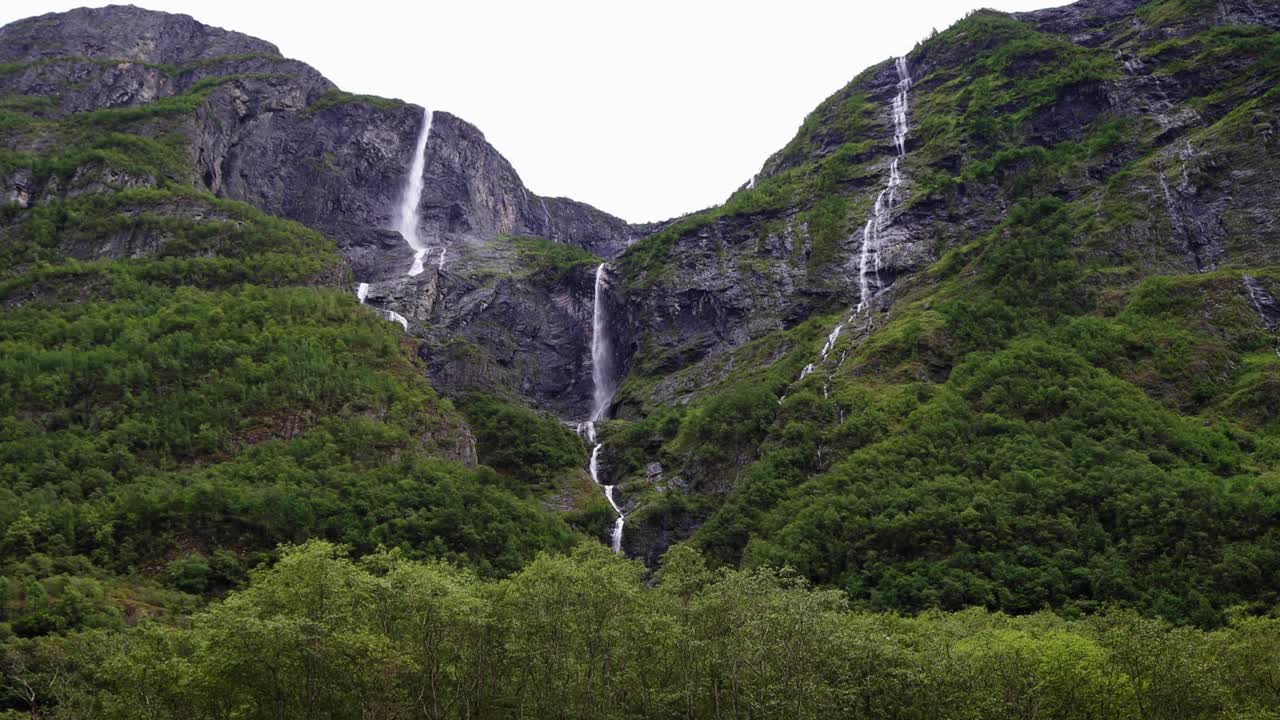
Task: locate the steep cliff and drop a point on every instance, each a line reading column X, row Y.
column 272, row 132
column 187, row 379
column 1072, row 247
column 997, row 327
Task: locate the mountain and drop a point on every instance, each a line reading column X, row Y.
column 997, row 327
column 274, row 133
column 188, row 377
column 307, row 403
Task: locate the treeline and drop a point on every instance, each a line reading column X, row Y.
column 585, row 636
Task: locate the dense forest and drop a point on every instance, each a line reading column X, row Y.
column 318, row 635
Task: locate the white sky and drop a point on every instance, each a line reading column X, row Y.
column 644, row 109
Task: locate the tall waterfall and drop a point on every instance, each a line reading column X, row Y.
column 881, row 213
column 602, row 380
column 601, row 353
column 882, row 210
column 409, row 216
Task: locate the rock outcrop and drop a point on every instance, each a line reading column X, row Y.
column 275, row 133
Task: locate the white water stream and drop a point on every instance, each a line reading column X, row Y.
column 602, row 381
column 362, row 292
column 601, row 353
column 881, row 214
column 409, row 216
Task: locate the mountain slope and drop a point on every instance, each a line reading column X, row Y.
column 997, row 328
column 273, row 132
column 187, row 381
column 1060, row 391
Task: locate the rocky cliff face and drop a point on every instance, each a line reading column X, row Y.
column 1077, row 162
column 1153, row 123
column 276, row 134
column 789, row 249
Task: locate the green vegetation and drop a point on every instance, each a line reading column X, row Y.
column 534, row 450
column 187, row 382
column 1047, row 466
column 317, row 635
column 1167, row 12
column 550, row 262
column 177, row 235
column 335, row 97
column 1042, row 420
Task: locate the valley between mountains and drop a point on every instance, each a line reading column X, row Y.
column 966, row 404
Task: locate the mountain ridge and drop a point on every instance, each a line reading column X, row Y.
column 1012, row 346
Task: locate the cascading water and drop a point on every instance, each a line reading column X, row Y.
column 409, row 216
column 901, row 105
column 601, row 355
column 394, row 316
column 615, row 540
column 546, row 217
column 881, row 213
column 602, row 394
column 362, row 292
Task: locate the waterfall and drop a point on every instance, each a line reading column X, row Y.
column 546, row 216
column 901, row 105
column 362, row 292
column 443, row 250
column 602, row 393
column 409, row 216
column 601, row 357
column 587, row 430
column 615, row 540
column 394, row 316
column 881, row 211
column 831, row 340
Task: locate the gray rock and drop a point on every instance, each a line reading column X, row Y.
column 122, row 32
column 1262, row 303
column 275, row 134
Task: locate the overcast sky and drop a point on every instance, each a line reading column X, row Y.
column 644, row 109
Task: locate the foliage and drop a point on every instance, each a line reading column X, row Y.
column 533, row 449
column 335, row 97
column 186, row 382
column 317, row 635
column 551, row 262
